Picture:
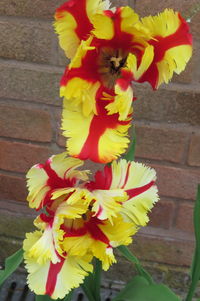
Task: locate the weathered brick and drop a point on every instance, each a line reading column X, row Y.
column 184, row 219
column 22, row 81
column 8, row 247
column 28, row 8
column 174, row 277
column 167, row 105
column 38, row 8
column 160, row 143
column 14, row 224
column 19, row 157
column 26, row 41
column 25, row 123
column 194, row 151
column 176, row 248
column 12, row 187
column 62, row 59
column 177, row 182
column 197, row 67
column 162, row 214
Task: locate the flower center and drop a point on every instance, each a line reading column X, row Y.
column 110, row 63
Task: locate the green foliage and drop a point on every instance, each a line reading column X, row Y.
column 11, row 265
column 139, row 289
column 141, row 271
column 130, row 156
column 92, row 283
column 43, row 298
column 195, row 272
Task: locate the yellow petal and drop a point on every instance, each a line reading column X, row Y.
column 103, row 26
column 122, row 102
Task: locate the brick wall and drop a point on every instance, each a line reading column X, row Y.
column 167, row 127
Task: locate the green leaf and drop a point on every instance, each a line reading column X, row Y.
column 42, row 298
column 11, row 265
column 69, row 296
column 195, row 269
column 138, row 289
column 92, row 283
column 130, row 156
column 141, row 271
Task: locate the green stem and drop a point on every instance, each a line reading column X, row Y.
column 97, row 279
column 196, row 261
column 88, row 292
column 92, row 283
column 141, row 271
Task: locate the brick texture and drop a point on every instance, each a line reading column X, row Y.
column 28, row 8
column 167, row 105
column 194, row 151
column 29, row 83
column 19, row 157
column 12, row 187
column 160, row 143
column 177, row 182
column 29, row 41
column 184, row 220
column 28, row 124
column 162, row 215
column 173, row 249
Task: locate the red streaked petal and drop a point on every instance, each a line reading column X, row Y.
column 136, row 191
column 169, row 31
column 54, row 270
column 103, row 136
column 78, row 9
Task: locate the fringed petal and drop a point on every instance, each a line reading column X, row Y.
column 137, row 207
column 103, row 27
column 122, row 101
column 103, row 137
column 172, row 44
column 107, row 203
column 58, row 172
column 73, row 22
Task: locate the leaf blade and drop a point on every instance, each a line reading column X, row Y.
column 138, row 289
column 11, row 264
column 130, row 156
column 195, row 270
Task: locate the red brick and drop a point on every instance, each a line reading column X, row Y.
column 174, row 247
column 197, row 67
column 37, row 8
column 13, row 188
column 28, row 8
column 162, row 214
column 160, row 143
column 27, row 41
column 20, row 157
column 184, row 219
column 25, row 123
column 194, row 151
column 167, row 106
column 26, row 82
column 177, row 182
